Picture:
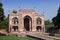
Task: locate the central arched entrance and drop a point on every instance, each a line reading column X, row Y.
column 27, row 23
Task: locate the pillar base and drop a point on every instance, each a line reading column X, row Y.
column 33, row 29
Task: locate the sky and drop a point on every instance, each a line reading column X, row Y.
column 47, row 7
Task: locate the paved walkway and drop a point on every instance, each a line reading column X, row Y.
column 45, row 37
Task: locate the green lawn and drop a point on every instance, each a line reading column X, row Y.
column 57, row 36
column 15, row 38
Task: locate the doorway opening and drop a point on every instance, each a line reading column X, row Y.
column 27, row 23
column 15, row 28
column 38, row 28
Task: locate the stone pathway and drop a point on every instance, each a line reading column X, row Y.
column 43, row 36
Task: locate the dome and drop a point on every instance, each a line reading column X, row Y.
column 14, row 11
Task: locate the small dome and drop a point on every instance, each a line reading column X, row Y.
column 14, row 11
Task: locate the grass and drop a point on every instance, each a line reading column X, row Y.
column 57, row 36
column 15, row 38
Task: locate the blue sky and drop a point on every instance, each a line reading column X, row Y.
column 49, row 7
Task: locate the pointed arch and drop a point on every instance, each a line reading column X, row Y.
column 38, row 20
column 27, row 23
column 15, row 20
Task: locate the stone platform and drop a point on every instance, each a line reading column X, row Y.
column 33, row 34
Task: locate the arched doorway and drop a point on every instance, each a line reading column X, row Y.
column 27, row 23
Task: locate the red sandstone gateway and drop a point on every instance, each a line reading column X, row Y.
column 26, row 20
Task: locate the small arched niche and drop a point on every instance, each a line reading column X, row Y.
column 39, row 20
column 15, row 20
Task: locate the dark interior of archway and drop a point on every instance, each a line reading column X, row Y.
column 15, row 28
column 26, row 24
column 38, row 27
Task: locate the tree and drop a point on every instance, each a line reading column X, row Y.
column 48, row 22
column 3, row 20
column 1, row 12
column 56, row 19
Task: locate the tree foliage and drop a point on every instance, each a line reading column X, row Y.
column 1, row 12
column 4, row 24
column 48, row 22
column 56, row 19
column 3, row 20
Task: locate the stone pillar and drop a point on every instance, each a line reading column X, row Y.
column 33, row 25
column 44, row 29
column 21, row 24
column 30, row 25
column 9, row 29
column 43, row 26
column 9, row 25
column 18, row 29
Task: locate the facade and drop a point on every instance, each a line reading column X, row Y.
column 26, row 20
